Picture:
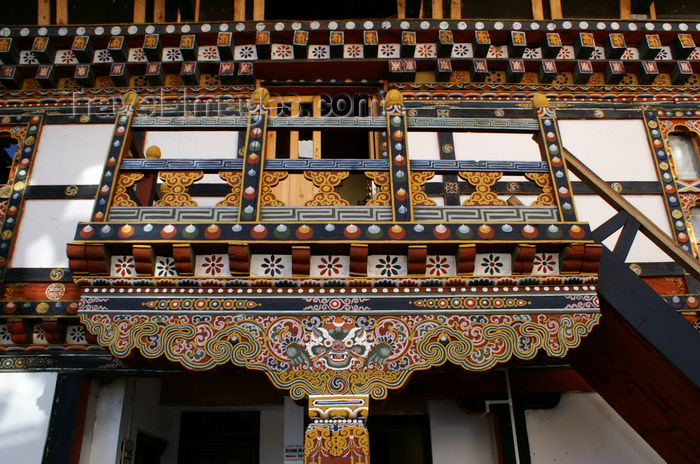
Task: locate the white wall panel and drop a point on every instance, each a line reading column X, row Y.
column 459, row 438
column 45, row 229
column 423, row 145
column 194, row 144
column 504, row 146
column 615, row 149
column 595, row 211
column 583, row 428
column 71, row 154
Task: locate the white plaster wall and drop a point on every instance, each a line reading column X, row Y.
column 105, row 421
column 26, row 399
column 194, row 144
column 71, row 154
column 584, row 429
column 596, row 211
column 423, row 145
column 45, row 228
column 502, row 146
column 459, row 438
column 615, row 149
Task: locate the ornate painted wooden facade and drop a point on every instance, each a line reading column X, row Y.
column 339, row 276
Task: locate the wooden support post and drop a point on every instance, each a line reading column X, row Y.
column 61, row 11
column 159, row 11
column 555, row 9
column 537, row 10
column 437, row 9
column 625, row 9
column 456, row 9
column 43, row 12
column 239, row 10
column 139, row 11
column 258, row 10
column 652, row 11
column 401, row 9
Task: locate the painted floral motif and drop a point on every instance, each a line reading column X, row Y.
column 664, row 54
column 246, row 52
column 282, row 51
column 695, row 54
column 27, row 57
column 318, row 52
column 532, row 53
column 438, row 266
column 66, row 57
column 496, row 52
column 123, row 266
column 5, row 335
column 137, row 54
column 352, row 51
column 272, row 265
column 388, row 51
column 494, row 77
column 426, row 51
column 630, row 54
column 461, row 50
column 492, row 264
column 76, row 334
column 627, row 80
column 598, row 54
column 388, row 266
column 213, row 265
column 561, row 78
column 165, row 267
column 103, row 56
column 545, row 263
column 330, row 266
column 39, row 335
column 212, row 80
column 208, row 53
column 565, row 53
column 172, row 54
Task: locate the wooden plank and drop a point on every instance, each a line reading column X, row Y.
column 139, row 11
column 258, row 10
column 159, row 11
column 239, row 10
column 537, row 10
column 625, row 9
column 652, row 11
column 401, row 9
column 456, row 9
column 555, row 9
column 196, row 10
column 617, row 201
column 44, row 12
column 61, row 11
column 437, row 9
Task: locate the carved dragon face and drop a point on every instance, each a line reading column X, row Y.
column 339, row 345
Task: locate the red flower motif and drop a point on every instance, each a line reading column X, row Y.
column 213, row 265
column 437, row 266
column 330, row 266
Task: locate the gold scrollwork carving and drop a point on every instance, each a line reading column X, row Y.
column 346, row 444
column 175, row 185
column 326, row 181
column 418, row 196
column 543, row 180
column 483, row 181
column 235, row 180
column 383, row 182
column 125, row 181
column 269, row 182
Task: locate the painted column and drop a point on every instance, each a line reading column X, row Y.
column 249, row 209
column 337, row 433
column 399, row 164
column 550, row 145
